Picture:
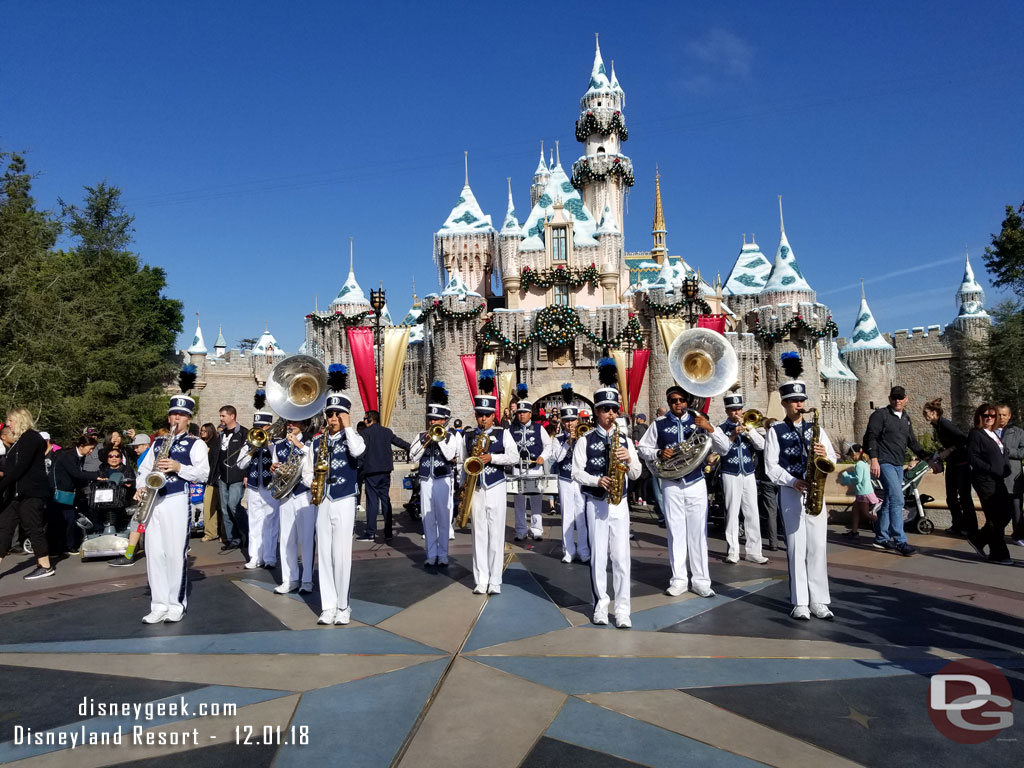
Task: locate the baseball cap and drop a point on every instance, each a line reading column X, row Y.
column 141, row 440
column 897, row 393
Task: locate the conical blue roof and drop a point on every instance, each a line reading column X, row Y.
column 865, row 331
column 466, row 217
column 749, row 274
column 785, row 274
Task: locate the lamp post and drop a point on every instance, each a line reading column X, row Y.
column 377, row 302
column 691, row 291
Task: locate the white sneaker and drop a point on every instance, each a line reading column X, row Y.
column 494, row 589
column 759, row 559
column 566, row 558
column 173, row 615
column 600, row 616
column 675, row 589
column 821, row 611
column 343, row 616
column 327, row 617
column 479, row 589
column 702, row 591
column 286, row 587
column 800, row 612
column 732, row 559
column 622, row 621
column 155, row 617
column 451, row 535
column 252, row 565
column 306, row 588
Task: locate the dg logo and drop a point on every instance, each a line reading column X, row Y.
column 970, row 701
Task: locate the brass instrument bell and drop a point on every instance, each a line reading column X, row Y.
column 437, row 433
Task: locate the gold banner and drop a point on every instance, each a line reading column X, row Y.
column 490, row 361
column 506, row 386
column 670, row 327
column 622, row 364
column 396, row 343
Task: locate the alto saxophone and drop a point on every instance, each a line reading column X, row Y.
column 818, row 470
column 616, row 469
column 472, row 467
column 321, row 468
column 153, row 483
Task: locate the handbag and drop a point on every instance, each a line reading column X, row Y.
column 67, row 498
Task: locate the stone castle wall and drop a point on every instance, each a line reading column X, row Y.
column 924, row 360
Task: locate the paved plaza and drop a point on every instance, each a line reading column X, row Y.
column 429, row 674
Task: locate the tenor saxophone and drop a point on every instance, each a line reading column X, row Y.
column 616, row 469
column 472, row 467
column 818, row 470
column 320, row 471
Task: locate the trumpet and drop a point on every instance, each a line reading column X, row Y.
column 258, row 438
column 752, row 419
column 437, row 433
column 582, row 429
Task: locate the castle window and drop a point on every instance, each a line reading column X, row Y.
column 559, row 244
column 600, row 150
column 560, row 295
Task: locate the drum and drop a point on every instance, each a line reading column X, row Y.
column 532, row 484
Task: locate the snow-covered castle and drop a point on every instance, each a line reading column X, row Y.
column 545, row 298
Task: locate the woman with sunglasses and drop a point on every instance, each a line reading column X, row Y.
column 989, row 467
column 115, row 471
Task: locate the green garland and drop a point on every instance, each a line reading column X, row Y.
column 796, row 324
column 583, row 173
column 450, row 314
column 558, row 326
column 320, row 321
column 679, row 307
column 548, row 277
column 589, row 124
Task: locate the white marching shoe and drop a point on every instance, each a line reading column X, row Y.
column 675, row 589
column 327, row 617
column 344, row 616
column 600, row 616
column 566, row 558
column 154, row 617
column 759, row 559
column 494, row 589
column 821, row 611
column 702, row 591
column 286, row 587
column 800, row 612
column 479, row 589
column 622, row 621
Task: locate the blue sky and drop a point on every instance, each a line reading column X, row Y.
column 251, row 140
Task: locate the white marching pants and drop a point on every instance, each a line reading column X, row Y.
column 536, row 507
column 609, row 535
column 436, row 513
column 335, row 522
column 806, row 543
column 488, row 534
column 263, row 525
column 574, row 520
column 686, row 520
column 166, row 542
column 298, row 525
column 741, row 495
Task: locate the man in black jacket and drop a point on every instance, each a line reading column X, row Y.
column 24, row 490
column 886, row 440
column 377, row 467
column 230, row 480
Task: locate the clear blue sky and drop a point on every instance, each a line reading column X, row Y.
column 251, row 140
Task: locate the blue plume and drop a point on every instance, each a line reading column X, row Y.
column 260, row 399
column 607, row 372
column 438, row 393
column 567, row 394
column 187, row 377
column 792, row 364
column 337, row 377
column 487, row 381
column 522, row 390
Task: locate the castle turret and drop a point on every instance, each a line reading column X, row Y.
column 221, row 345
column 659, row 251
column 970, row 302
column 746, row 280
column 197, row 351
column 540, row 178
column 466, row 244
column 873, row 360
column 971, row 326
column 508, row 248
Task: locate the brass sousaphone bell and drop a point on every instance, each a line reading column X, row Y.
column 297, row 388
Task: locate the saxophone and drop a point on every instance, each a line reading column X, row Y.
column 321, row 468
column 616, row 469
column 473, row 467
column 154, row 482
column 818, row 470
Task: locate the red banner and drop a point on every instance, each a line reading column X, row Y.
column 714, row 322
column 636, row 375
column 360, row 342
column 469, row 371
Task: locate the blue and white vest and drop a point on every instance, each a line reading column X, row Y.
column 181, row 452
column 343, row 475
column 597, row 461
column 740, row 460
column 563, row 468
column 528, row 436
column 258, row 472
column 492, row 475
column 672, row 431
column 794, row 445
column 432, row 462
column 283, row 450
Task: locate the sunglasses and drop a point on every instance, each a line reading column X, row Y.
column 988, row 416
column 673, row 400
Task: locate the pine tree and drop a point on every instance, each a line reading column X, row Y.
column 1005, row 258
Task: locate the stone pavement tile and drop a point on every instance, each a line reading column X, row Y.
column 403, row 581
column 481, row 717
column 666, row 615
column 286, row 673
column 442, row 620
column 601, row 730
column 364, row 722
column 522, row 609
column 684, row 714
column 577, row 615
column 367, row 612
column 552, row 753
column 221, row 756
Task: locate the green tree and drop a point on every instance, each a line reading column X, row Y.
column 995, row 362
column 1005, row 258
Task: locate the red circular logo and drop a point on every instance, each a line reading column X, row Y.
column 970, row 701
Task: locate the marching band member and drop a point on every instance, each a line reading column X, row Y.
column 684, row 500
column 574, row 517
column 736, row 445
column 787, row 452
column 261, row 506
column 336, row 515
column 607, row 523
column 532, row 442
column 168, row 526
column 437, row 459
column 297, row 516
column 489, row 499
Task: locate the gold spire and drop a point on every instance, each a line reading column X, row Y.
column 659, row 251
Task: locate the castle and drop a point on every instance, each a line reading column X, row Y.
column 543, row 300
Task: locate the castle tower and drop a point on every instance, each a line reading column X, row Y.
column 970, row 301
column 602, row 173
column 971, row 325
column 508, row 248
column 746, row 280
column 466, row 244
column 540, row 178
column 873, row 360
column 221, row 345
column 197, row 351
column 658, row 251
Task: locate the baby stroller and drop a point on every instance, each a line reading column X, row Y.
column 913, row 500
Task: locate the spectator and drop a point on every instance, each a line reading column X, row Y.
column 69, row 474
column 115, row 472
column 959, row 500
column 211, row 504
column 990, row 467
column 114, row 439
column 230, row 481
column 377, row 467
column 1013, row 438
column 24, row 490
column 886, row 440
column 859, row 476
column 140, row 444
column 92, row 459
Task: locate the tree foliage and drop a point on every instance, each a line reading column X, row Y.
column 1005, row 258
column 88, row 334
column 994, row 363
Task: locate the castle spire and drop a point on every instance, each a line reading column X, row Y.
column 511, row 225
column 198, row 344
column 466, row 154
column 659, row 251
column 970, row 297
column 782, row 223
column 351, row 258
column 541, row 168
column 865, row 331
column 558, row 156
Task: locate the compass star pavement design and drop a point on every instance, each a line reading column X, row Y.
column 428, row 674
